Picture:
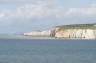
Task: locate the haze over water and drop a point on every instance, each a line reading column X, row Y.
column 47, row 51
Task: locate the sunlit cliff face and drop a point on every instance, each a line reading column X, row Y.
column 56, row 32
column 77, row 34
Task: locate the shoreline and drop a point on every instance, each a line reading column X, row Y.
column 36, row 37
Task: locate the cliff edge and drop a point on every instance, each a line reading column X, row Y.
column 76, row 31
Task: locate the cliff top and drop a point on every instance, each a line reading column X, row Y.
column 78, row 26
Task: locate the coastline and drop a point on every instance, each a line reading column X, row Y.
column 80, row 31
column 22, row 37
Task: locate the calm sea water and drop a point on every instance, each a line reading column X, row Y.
column 47, row 51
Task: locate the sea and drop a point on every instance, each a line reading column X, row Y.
column 47, row 51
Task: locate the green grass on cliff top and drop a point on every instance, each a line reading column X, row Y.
column 78, row 26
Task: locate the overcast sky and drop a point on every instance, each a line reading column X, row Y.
column 18, row 16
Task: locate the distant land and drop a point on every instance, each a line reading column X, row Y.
column 74, row 31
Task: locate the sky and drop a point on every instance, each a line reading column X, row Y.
column 19, row 16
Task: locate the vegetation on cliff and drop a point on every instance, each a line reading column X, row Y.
column 78, row 26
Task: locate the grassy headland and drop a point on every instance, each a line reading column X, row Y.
column 78, row 26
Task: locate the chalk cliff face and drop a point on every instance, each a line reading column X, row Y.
column 76, row 34
column 69, row 33
column 38, row 33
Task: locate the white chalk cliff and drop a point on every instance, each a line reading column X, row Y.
column 77, row 34
column 70, row 33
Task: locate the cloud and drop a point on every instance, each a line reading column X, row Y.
column 85, row 11
column 43, row 10
column 2, row 15
column 36, row 10
column 23, row 1
column 93, row 5
column 14, row 1
column 42, row 15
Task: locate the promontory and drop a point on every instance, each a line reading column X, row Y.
column 74, row 31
